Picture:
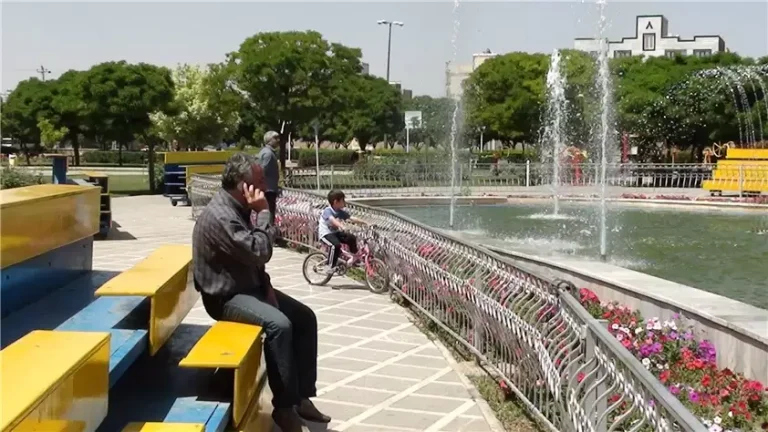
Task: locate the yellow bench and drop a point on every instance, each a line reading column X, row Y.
column 164, row 427
column 165, row 277
column 202, row 169
column 55, row 381
column 735, row 185
column 229, row 345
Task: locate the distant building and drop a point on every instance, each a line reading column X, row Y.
column 407, row 94
column 456, row 74
column 397, row 85
column 366, row 69
column 652, row 38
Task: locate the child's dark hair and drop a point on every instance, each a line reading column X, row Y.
column 335, row 195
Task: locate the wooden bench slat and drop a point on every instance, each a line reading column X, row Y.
column 225, row 345
column 164, row 277
column 150, row 275
column 49, row 375
column 164, row 427
column 235, row 346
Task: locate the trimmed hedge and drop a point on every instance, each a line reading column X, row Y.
column 112, row 157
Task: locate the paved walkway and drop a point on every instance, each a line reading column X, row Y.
column 377, row 371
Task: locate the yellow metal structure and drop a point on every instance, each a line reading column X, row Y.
column 38, row 219
column 198, row 157
column 742, row 170
column 55, row 381
column 164, row 427
column 165, row 278
column 203, row 169
column 229, row 345
column 744, row 153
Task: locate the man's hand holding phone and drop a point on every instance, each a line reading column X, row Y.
column 255, row 198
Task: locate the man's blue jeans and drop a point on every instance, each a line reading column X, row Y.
column 290, row 342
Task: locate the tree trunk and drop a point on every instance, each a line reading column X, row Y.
column 76, row 148
column 119, row 154
column 151, row 164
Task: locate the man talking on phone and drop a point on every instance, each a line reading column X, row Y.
column 229, row 258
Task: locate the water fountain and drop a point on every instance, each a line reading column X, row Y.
column 553, row 137
column 455, row 119
column 605, row 128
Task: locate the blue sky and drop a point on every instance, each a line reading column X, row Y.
column 66, row 35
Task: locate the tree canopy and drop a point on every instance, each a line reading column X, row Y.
column 204, row 109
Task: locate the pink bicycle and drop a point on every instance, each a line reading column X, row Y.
column 315, row 268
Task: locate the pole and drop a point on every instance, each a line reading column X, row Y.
column 407, row 139
column 481, row 139
column 317, row 157
column 389, row 50
column 43, row 71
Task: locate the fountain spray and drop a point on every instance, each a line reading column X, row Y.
column 604, row 92
column 455, row 120
column 553, row 129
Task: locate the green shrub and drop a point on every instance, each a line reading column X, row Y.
column 14, row 178
column 306, row 157
column 510, row 155
column 112, row 157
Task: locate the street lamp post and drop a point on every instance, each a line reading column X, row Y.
column 389, row 39
column 389, row 48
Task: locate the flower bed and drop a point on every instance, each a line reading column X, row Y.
column 747, row 200
column 724, row 400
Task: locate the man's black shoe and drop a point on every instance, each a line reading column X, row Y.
column 309, row 412
column 287, row 420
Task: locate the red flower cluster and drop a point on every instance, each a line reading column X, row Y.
column 726, row 401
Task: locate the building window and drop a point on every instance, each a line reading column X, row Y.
column 702, row 52
column 649, row 42
column 672, row 53
column 622, row 53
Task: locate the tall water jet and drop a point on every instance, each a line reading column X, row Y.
column 553, row 136
column 455, row 119
column 605, row 127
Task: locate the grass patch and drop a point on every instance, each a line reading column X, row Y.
column 122, row 185
column 509, row 412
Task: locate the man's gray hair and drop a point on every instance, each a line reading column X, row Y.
column 271, row 136
column 238, row 168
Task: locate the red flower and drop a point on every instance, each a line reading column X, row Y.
column 580, row 377
column 664, row 376
column 706, row 381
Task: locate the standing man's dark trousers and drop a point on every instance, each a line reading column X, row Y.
column 271, row 197
column 290, row 341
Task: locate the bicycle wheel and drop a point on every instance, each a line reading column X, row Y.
column 314, row 269
column 377, row 276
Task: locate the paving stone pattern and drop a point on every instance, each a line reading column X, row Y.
column 377, row 371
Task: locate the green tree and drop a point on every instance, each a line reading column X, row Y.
column 118, row 98
column 206, row 110
column 26, row 105
column 50, row 135
column 660, row 99
column 288, row 76
column 362, row 107
column 505, row 94
column 68, row 109
column 436, row 120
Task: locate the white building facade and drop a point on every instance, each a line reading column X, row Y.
column 652, row 39
column 456, row 74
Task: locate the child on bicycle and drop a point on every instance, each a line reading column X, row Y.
column 332, row 230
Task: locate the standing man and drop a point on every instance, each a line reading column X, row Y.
column 268, row 161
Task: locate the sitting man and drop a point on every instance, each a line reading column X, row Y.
column 331, row 229
column 229, row 256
